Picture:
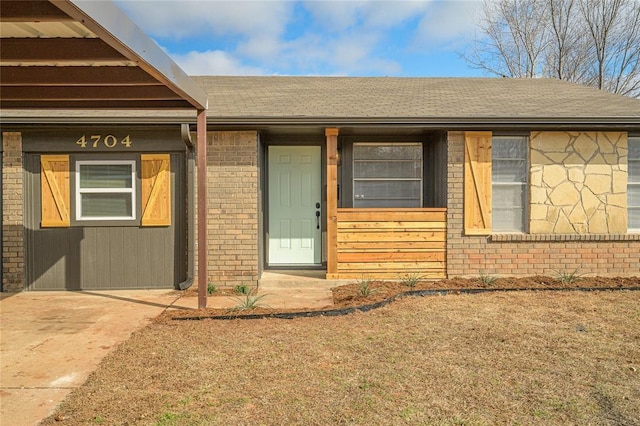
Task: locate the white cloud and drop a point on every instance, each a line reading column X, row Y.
column 214, row 62
column 183, row 19
column 446, row 23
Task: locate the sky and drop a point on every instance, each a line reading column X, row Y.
column 322, row 37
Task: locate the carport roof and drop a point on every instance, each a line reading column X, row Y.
column 70, row 54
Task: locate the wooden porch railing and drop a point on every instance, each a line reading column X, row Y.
column 390, row 243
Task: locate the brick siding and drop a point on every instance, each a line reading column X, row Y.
column 12, row 213
column 232, row 198
column 604, row 255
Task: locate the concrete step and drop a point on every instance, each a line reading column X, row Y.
column 297, row 280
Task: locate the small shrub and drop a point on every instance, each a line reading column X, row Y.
column 410, row 279
column 568, row 277
column 365, row 287
column 211, row 288
column 249, row 302
column 488, row 280
column 242, row 289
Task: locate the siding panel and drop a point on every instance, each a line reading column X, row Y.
column 104, row 257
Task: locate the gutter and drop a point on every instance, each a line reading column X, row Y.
column 376, row 122
column 186, row 138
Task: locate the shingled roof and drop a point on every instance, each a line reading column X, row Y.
column 381, row 98
column 343, row 101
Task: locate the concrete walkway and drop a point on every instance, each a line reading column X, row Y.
column 51, row 341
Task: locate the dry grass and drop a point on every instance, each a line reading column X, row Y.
column 501, row 358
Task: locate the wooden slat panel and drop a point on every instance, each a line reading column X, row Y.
column 392, row 236
column 477, row 183
column 351, row 275
column 393, row 225
column 368, row 215
column 389, row 266
column 55, row 191
column 391, row 246
column 388, row 243
column 391, row 256
column 156, row 190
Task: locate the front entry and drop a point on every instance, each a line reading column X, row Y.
column 295, row 222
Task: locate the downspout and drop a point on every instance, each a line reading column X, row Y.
column 186, row 138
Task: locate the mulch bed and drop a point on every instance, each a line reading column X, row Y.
column 363, row 296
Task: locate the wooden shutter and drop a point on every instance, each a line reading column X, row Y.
column 156, row 189
column 477, row 183
column 55, row 191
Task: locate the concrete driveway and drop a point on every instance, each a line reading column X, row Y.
column 51, row 342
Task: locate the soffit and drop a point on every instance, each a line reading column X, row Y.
column 85, row 55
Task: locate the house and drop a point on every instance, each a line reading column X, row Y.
column 359, row 177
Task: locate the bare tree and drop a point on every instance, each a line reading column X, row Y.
column 593, row 42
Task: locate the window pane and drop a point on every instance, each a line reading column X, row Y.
column 106, row 205
column 509, row 147
column 507, row 220
column 508, row 196
column 509, row 174
column 387, row 152
column 387, row 175
column 509, row 170
column 105, row 176
column 387, row 169
column 633, row 195
column 634, row 171
column 633, row 185
column 397, row 203
column 634, row 218
column 634, row 148
column 393, row 189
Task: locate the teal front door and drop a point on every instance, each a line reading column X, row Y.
column 295, row 185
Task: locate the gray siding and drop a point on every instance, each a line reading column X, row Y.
column 104, row 257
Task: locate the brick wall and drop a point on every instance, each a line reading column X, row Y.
column 12, row 213
column 606, row 255
column 232, row 198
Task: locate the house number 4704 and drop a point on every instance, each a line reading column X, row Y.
column 109, row 141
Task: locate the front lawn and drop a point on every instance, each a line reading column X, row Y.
column 497, row 358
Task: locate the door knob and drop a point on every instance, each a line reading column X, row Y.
column 317, row 219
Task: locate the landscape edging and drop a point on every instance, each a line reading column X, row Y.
column 376, row 305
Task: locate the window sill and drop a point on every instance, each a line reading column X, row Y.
column 564, row 237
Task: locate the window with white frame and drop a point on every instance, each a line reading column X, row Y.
column 387, row 175
column 105, row 190
column 509, row 178
column 633, row 184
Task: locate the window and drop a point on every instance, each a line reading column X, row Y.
column 387, row 175
column 633, row 184
column 509, row 183
column 105, row 190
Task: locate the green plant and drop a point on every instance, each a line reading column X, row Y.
column 211, row 288
column 487, row 280
column 242, row 289
column 365, row 287
column 410, row 279
column 249, row 302
column 568, row 277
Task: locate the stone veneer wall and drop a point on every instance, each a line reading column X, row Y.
column 12, row 213
column 525, row 255
column 232, row 198
column 578, row 183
